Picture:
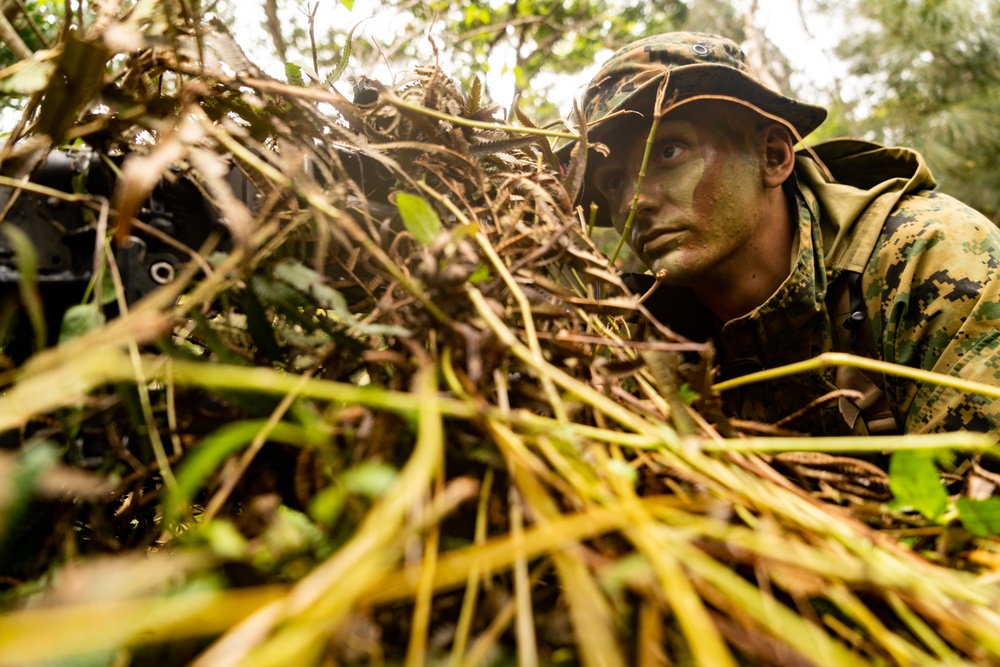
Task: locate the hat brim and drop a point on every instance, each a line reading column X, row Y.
column 690, row 81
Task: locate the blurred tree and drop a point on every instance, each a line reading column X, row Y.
column 545, row 48
column 930, row 74
column 536, row 40
column 27, row 26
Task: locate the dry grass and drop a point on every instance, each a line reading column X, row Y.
column 347, row 439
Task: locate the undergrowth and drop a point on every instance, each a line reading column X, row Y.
column 387, row 403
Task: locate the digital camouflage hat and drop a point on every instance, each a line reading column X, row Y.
column 697, row 64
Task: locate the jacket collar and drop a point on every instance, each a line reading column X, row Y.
column 856, row 184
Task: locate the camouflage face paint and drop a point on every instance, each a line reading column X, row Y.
column 699, row 208
column 692, row 64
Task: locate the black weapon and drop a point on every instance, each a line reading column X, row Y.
column 64, row 233
column 177, row 219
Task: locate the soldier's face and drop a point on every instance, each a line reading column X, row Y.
column 700, row 202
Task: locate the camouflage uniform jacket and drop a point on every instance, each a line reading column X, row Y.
column 928, row 267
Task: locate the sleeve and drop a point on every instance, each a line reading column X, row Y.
column 932, row 290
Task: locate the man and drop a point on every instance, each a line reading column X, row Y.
column 754, row 246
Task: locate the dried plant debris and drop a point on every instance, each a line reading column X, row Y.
column 296, row 378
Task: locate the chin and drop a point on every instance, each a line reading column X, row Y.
column 676, row 273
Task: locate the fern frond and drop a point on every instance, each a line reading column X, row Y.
column 475, row 97
column 345, row 56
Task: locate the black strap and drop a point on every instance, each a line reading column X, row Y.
column 853, row 334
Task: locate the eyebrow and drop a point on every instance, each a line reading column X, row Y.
column 667, row 123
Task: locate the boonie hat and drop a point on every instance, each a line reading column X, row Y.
column 698, row 64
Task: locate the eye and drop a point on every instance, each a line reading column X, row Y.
column 669, row 150
column 610, row 182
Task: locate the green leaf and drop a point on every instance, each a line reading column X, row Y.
column 27, row 77
column 314, row 284
column 470, row 15
column 481, row 274
column 623, row 470
column 419, row 217
column 214, row 342
column 259, row 326
column 371, row 479
column 688, row 395
column 224, row 539
column 27, row 264
column 915, row 483
column 327, row 505
column 79, row 319
column 980, row 517
column 20, row 483
column 207, row 457
column 293, row 73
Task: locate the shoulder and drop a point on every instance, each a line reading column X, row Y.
column 933, row 293
column 948, row 234
column 928, row 212
column 935, row 264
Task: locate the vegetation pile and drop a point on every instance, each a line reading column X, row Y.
column 404, row 411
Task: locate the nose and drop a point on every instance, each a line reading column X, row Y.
column 645, row 203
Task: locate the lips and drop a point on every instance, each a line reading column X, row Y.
column 655, row 241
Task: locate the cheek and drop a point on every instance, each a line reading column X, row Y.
column 691, row 186
column 729, row 198
column 713, row 201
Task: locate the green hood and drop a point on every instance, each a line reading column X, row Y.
column 867, row 182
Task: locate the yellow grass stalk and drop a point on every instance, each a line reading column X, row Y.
column 657, row 545
column 417, row 649
column 829, row 359
column 472, row 583
column 49, row 633
column 589, row 611
column 524, row 617
column 320, row 601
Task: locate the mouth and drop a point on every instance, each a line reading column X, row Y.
column 654, row 242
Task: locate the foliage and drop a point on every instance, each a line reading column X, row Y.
column 526, row 38
column 931, row 81
column 25, row 27
column 36, row 24
column 403, row 411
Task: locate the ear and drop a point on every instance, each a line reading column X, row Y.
column 779, row 154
